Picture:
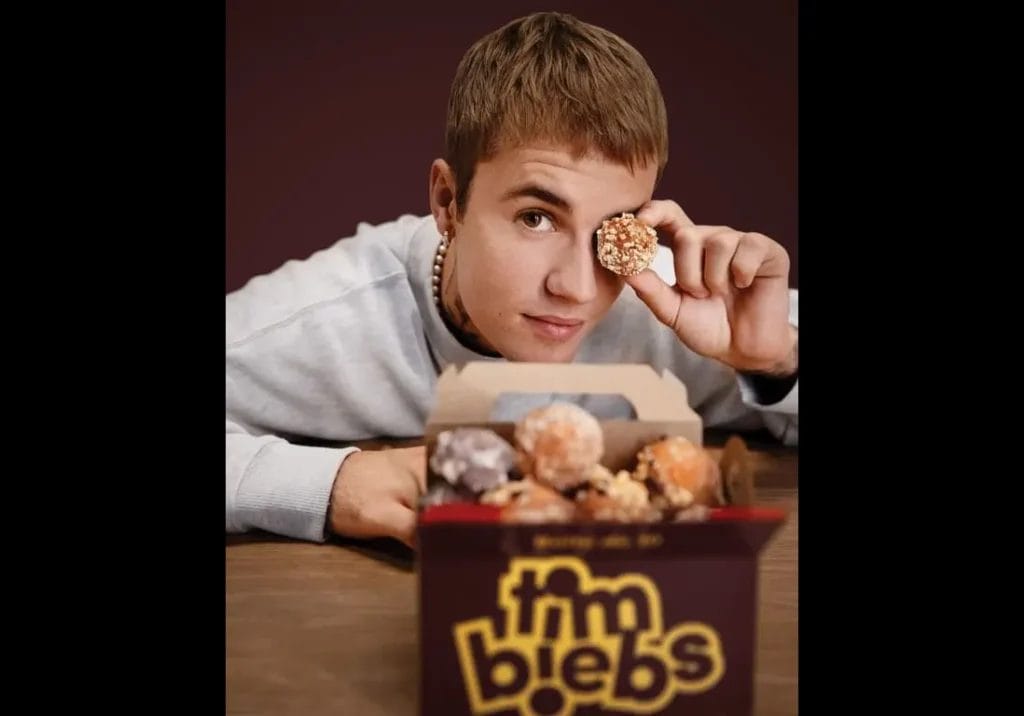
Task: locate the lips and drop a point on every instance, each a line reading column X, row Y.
column 558, row 320
column 554, row 328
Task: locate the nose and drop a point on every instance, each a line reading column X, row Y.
column 573, row 276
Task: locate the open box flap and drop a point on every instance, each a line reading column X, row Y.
column 468, row 394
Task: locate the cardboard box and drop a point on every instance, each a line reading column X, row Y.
column 589, row 617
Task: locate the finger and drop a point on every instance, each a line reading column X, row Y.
column 667, row 215
column 406, row 490
column 662, row 299
column 410, row 468
column 687, row 242
column 416, row 462
column 747, row 262
column 398, row 521
column 719, row 250
column 688, row 257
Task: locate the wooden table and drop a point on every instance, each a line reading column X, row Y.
column 331, row 629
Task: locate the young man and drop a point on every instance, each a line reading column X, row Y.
column 553, row 126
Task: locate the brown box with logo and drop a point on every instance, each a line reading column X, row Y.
column 587, row 616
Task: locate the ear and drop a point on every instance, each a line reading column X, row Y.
column 442, row 196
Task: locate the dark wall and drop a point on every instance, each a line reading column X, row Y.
column 336, row 109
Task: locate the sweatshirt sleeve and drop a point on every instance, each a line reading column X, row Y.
column 763, row 395
column 725, row 398
column 277, row 486
column 728, row 400
column 779, row 410
column 310, row 369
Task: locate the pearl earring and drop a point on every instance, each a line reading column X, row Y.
column 442, row 249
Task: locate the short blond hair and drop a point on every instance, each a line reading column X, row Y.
column 550, row 76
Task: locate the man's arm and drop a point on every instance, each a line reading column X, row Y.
column 732, row 400
column 322, row 351
column 279, row 487
column 776, row 390
column 309, row 493
column 727, row 299
column 772, row 387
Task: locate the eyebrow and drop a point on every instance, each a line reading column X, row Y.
column 545, row 195
column 537, row 192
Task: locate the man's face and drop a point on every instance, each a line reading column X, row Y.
column 525, row 266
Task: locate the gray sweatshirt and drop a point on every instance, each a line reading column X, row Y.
column 347, row 345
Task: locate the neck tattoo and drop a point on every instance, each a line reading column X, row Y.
column 454, row 316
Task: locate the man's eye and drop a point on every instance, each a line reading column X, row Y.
column 535, row 221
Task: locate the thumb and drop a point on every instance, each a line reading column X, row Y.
column 663, row 300
column 399, row 521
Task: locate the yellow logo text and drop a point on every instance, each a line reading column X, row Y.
column 568, row 638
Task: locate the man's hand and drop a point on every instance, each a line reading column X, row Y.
column 731, row 298
column 375, row 494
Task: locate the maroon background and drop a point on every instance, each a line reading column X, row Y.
column 335, row 110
